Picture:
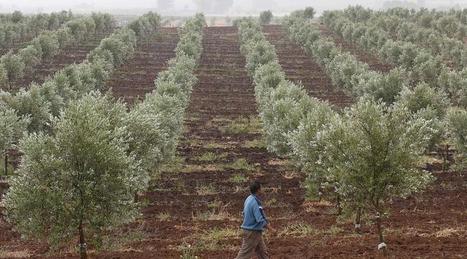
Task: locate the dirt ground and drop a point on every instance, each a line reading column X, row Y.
column 194, row 208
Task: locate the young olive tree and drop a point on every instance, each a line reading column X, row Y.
column 306, row 150
column 372, row 151
column 13, row 65
column 309, row 13
column 80, row 181
column 265, row 17
column 30, row 56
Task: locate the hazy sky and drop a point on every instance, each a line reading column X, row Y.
column 187, row 6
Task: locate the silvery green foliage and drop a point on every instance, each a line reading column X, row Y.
column 422, row 96
column 383, row 87
column 13, row 65
column 307, row 151
column 371, row 151
column 145, row 24
column 12, row 127
column 83, row 173
column 49, row 44
column 344, row 69
column 259, row 53
column 267, row 77
column 190, row 42
column 457, row 128
column 288, row 104
column 32, row 104
column 30, row 56
column 455, row 85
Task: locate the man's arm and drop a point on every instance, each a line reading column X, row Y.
column 259, row 215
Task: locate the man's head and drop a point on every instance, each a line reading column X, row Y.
column 255, row 187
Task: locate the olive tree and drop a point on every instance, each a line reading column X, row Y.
column 261, row 52
column 13, row 65
column 265, row 17
column 306, row 149
column 12, row 128
column 457, row 127
column 80, row 181
column 3, row 77
column 30, row 103
column 372, row 152
column 30, row 56
column 309, row 13
column 49, row 44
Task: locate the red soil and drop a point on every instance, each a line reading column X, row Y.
column 136, row 77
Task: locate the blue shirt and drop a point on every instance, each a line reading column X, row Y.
column 253, row 215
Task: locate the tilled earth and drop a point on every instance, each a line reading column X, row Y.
column 194, row 208
column 136, row 77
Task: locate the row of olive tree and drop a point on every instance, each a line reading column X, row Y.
column 377, row 164
column 452, row 23
column 16, row 27
column 436, row 79
column 14, row 66
column 419, row 65
column 401, row 28
column 157, row 122
column 73, row 183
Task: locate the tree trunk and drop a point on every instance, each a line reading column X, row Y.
column 445, row 156
column 338, row 205
column 358, row 220
column 82, row 242
column 320, row 193
column 6, row 163
column 382, row 246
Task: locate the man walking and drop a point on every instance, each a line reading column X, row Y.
column 254, row 222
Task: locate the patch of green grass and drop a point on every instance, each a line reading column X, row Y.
column 175, row 165
column 205, row 190
column 188, row 251
column 334, row 230
column 255, row 143
column 163, row 216
column 213, row 214
column 122, row 239
column 297, row 230
column 242, row 125
column 210, row 156
column 213, row 239
column 240, row 164
column 238, row 178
